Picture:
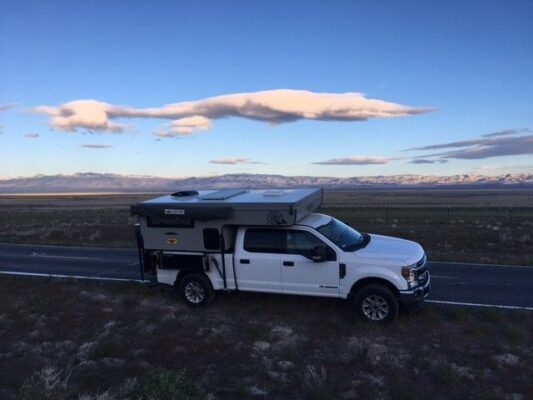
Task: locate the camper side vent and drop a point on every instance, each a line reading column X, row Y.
column 223, row 194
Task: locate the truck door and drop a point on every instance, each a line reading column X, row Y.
column 258, row 260
column 300, row 274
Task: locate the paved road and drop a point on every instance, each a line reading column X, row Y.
column 451, row 282
column 66, row 260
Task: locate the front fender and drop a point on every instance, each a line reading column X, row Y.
column 354, row 275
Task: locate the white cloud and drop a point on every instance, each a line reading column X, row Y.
column 96, row 146
column 184, row 126
column 81, row 114
column 356, row 160
column 498, row 144
column 426, row 161
column 273, row 106
column 507, row 132
column 502, row 169
column 234, row 161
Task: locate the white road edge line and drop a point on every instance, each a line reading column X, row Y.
column 457, row 303
column 477, row 264
column 94, row 278
column 69, row 247
column 145, row 281
column 63, row 257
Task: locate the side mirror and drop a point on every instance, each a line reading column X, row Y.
column 320, row 253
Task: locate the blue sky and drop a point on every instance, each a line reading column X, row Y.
column 470, row 62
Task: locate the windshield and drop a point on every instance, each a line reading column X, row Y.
column 348, row 239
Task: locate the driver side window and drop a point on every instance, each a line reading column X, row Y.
column 304, row 243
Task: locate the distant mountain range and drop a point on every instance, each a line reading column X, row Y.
column 95, row 182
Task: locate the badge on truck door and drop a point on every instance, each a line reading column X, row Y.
column 172, row 241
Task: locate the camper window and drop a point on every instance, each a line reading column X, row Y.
column 211, row 239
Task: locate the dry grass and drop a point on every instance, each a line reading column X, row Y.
column 430, row 197
column 489, row 235
column 88, row 340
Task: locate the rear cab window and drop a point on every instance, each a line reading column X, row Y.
column 265, row 241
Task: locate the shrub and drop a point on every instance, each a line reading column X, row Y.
column 315, row 383
column 108, row 346
column 164, row 385
column 47, row 384
column 514, row 333
column 493, row 315
column 445, row 375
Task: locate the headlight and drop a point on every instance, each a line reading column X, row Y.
column 409, row 275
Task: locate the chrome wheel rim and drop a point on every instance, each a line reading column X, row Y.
column 194, row 292
column 375, row 307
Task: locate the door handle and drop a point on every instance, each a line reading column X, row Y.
column 244, row 261
column 288, row 263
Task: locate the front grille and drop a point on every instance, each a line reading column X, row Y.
column 421, row 270
column 421, row 262
column 423, row 277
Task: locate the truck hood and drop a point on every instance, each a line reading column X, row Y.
column 391, row 250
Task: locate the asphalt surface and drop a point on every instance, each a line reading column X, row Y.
column 510, row 286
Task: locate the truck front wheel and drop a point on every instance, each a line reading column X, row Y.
column 376, row 304
column 195, row 290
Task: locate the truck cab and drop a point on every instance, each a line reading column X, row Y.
column 314, row 255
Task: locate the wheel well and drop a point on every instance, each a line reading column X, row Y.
column 179, row 277
column 369, row 281
column 183, row 273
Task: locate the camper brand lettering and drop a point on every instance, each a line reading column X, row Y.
column 172, row 211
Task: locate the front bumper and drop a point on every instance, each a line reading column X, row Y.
column 416, row 294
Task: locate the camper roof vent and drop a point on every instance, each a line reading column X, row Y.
column 185, row 193
column 223, row 194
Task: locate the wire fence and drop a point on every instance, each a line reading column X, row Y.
column 384, row 215
column 65, row 216
column 434, row 215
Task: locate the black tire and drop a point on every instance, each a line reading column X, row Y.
column 195, row 290
column 376, row 304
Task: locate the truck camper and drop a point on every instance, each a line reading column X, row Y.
column 273, row 241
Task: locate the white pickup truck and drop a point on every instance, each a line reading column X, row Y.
column 314, row 255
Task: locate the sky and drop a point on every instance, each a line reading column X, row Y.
column 325, row 88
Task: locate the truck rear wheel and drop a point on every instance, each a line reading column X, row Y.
column 376, row 304
column 195, row 290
